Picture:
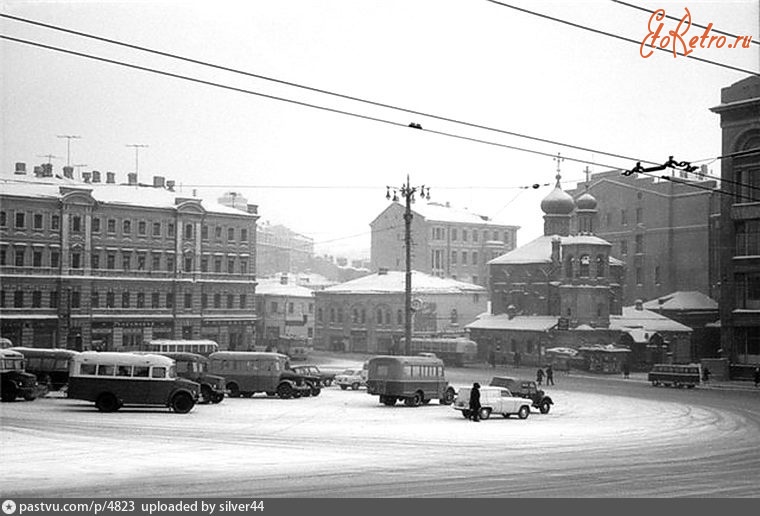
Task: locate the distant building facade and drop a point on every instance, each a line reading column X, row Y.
column 285, row 311
column 661, row 229
column 101, row 265
column 366, row 315
column 446, row 242
column 739, row 222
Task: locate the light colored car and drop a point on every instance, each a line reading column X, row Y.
column 493, row 400
column 353, row 378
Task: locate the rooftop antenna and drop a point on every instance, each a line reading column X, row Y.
column 50, row 157
column 137, row 147
column 69, row 137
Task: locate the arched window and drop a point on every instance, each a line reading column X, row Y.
column 188, row 231
column 355, row 316
column 379, row 316
column 600, row 272
column 399, row 317
column 585, row 261
column 569, row 267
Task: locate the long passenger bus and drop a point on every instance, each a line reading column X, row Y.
column 454, row 351
column 249, row 372
column 199, row 347
column 677, row 375
column 49, row 365
column 113, row 380
column 414, row 380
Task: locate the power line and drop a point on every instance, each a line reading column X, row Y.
column 622, row 38
column 640, row 8
column 297, row 102
column 313, row 89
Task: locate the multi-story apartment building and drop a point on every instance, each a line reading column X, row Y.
column 285, row 310
column 739, row 222
column 366, row 315
column 661, row 229
column 108, row 266
column 446, row 242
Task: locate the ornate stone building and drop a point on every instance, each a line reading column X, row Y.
column 108, row 266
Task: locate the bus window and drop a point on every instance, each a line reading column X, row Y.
column 158, row 372
column 141, row 371
column 34, row 363
column 382, row 371
column 124, row 370
column 106, row 370
column 61, row 365
column 87, row 369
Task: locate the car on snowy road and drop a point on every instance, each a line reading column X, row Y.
column 525, row 389
column 325, row 379
column 353, row 378
column 493, row 400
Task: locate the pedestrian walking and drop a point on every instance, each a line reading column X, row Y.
column 549, row 375
column 516, row 358
column 705, row 375
column 492, row 359
column 626, row 370
column 539, row 376
column 475, row 402
column 757, row 377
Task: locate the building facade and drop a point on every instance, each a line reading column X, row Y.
column 101, row 265
column 285, row 311
column 661, row 229
column 739, row 222
column 366, row 315
column 446, row 242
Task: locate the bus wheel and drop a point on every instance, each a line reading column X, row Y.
column 413, row 401
column 315, row 391
column 233, row 389
column 107, row 402
column 9, row 392
column 284, row 391
column 524, row 412
column 206, row 395
column 182, row 403
column 448, row 397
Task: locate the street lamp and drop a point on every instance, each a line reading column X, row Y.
column 407, row 192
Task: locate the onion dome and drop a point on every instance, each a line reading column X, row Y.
column 558, row 202
column 586, row 202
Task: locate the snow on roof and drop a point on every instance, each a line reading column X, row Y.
column 395, row 282
column 539, row 250
column 274, row 287
column 438, row 212
column 644, row 319
column 682, row 300
column 131, row 195
column 518, row 322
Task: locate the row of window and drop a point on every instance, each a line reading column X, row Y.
column 439, row 233
column 126, row 299
column 141, row 228
column 129, row 261
column 359, row 316
column 274, row 307
column 624, row 219
column 123, row 371
column 748, row 238
column 638, row 249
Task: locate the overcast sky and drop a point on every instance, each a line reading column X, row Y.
column 324, row 174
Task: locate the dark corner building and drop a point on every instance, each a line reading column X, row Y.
column 739, row 224
column 93, row 264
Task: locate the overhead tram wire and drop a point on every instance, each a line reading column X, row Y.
column 640, row 8
column 296, row 102
column 622, row 38
column 313, row 89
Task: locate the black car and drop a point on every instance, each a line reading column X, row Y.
column 325, row 379
column 525, row 389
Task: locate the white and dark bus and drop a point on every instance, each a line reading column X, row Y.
column 113, row 380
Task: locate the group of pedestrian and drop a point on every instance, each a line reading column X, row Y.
column 549, row 375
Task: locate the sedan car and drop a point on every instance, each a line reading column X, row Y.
column 353, row 378
column 493, row 400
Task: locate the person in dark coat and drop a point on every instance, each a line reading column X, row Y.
column 549, row 375
column 756, row 376
column 475, row 402
column 706, row 375
column 626, row 370
column 539, row 376
column 517, row 359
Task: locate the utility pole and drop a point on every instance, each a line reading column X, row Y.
column 137, row 147
column 407, row 192
column 69, row 137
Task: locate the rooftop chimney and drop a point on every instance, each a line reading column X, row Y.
column 68, row 172
column 20, row 168
column 37, row 171
column 158, row 181
column 132, row 178
column 170, row 184
column 110, row 177
column 96, row 176
column 284, row 279
column 86, row 176
column 253, row 208
column 47, row 170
